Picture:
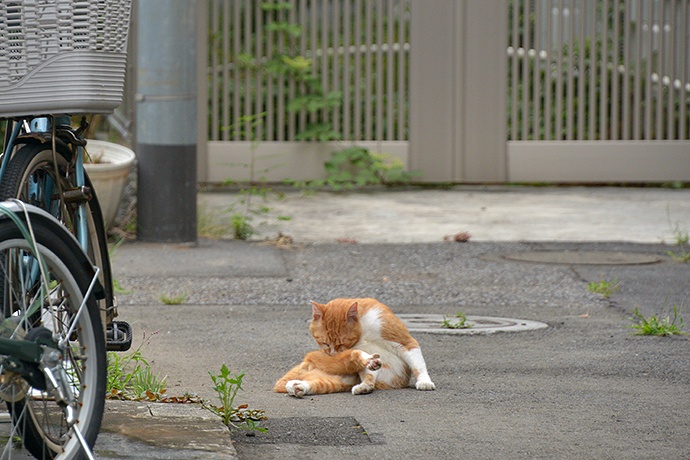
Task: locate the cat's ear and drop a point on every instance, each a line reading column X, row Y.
column 317, row 310
column 353, row 312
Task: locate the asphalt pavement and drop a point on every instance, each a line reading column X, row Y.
column 583, row 387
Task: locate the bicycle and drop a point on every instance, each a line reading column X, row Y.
column 57, row 58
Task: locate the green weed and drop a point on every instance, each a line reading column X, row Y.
column 178, row 299
column 603, row 287
column 211, row 224
column 226, row 387
column 130, row 376
column 658, row 325
column 682, row 240
column 461, row 323
column 242, row 226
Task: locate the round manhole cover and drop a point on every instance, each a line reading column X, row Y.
column 432, row 324
column 584, row 257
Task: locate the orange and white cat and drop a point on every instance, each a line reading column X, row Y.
column 364, row 346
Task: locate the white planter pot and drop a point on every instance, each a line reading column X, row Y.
column 109, row 175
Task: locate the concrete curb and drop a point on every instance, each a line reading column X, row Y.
column 145, row 430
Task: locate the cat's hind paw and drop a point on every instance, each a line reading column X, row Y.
column 374, row 363
column 297, row 388
column 370, row 362
column 425, row 385
column 362, row 389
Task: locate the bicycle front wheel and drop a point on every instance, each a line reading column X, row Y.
column 48, row 305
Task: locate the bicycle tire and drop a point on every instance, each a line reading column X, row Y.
column 34, row 159
column 38, row 421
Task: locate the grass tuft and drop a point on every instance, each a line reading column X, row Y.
column 658, row 326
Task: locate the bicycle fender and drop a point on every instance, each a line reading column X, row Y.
column 37, row 214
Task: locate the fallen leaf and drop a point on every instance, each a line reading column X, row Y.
column 460, row 237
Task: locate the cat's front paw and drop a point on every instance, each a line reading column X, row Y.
column 296, row 388
column 362, row 389
column 425, row 385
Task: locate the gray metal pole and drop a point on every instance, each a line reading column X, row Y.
column 166, row 120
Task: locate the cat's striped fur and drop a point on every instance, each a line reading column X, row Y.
column 364, row 346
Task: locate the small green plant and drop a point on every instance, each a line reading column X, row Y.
column 226, row 387
column 682, row 238
column 247, row 207
column 460, row 323
column 603, row 287
column 658, row 325
column 242, row 226
column 177, row 299
column 130, row 376
column 211, row 224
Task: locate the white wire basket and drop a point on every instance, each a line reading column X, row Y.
column 62, row 56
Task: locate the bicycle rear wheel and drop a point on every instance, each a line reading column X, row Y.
column 31, row 178
column 37, row 307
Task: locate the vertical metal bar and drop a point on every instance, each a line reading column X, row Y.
column 559, row 74
column 683, row 123
column 548, row 80
column 604, row 74
column 527, row 46
column 336, row 60
column 247, row 110
column 592, row 86
column 637, row 103
column 649, row 66
column 390, row 62
column 280, row 90
column 357, row 135
column 303, row 22
column 314, row 43
column 661, row 69
column 536, row 76
column 570, row 111
column 368, row 73
column 226, row 83
column 347, row 80
column 292, row 89
column 402, row 71
column 670, row 68
column 237, row 87
column 323, row 47
column 214, row 6
column 378, row 65
column 626, row 116
column 581, row 74
column 259, row 80
column 269, row 82
column 615, row 132
column 514, row 120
